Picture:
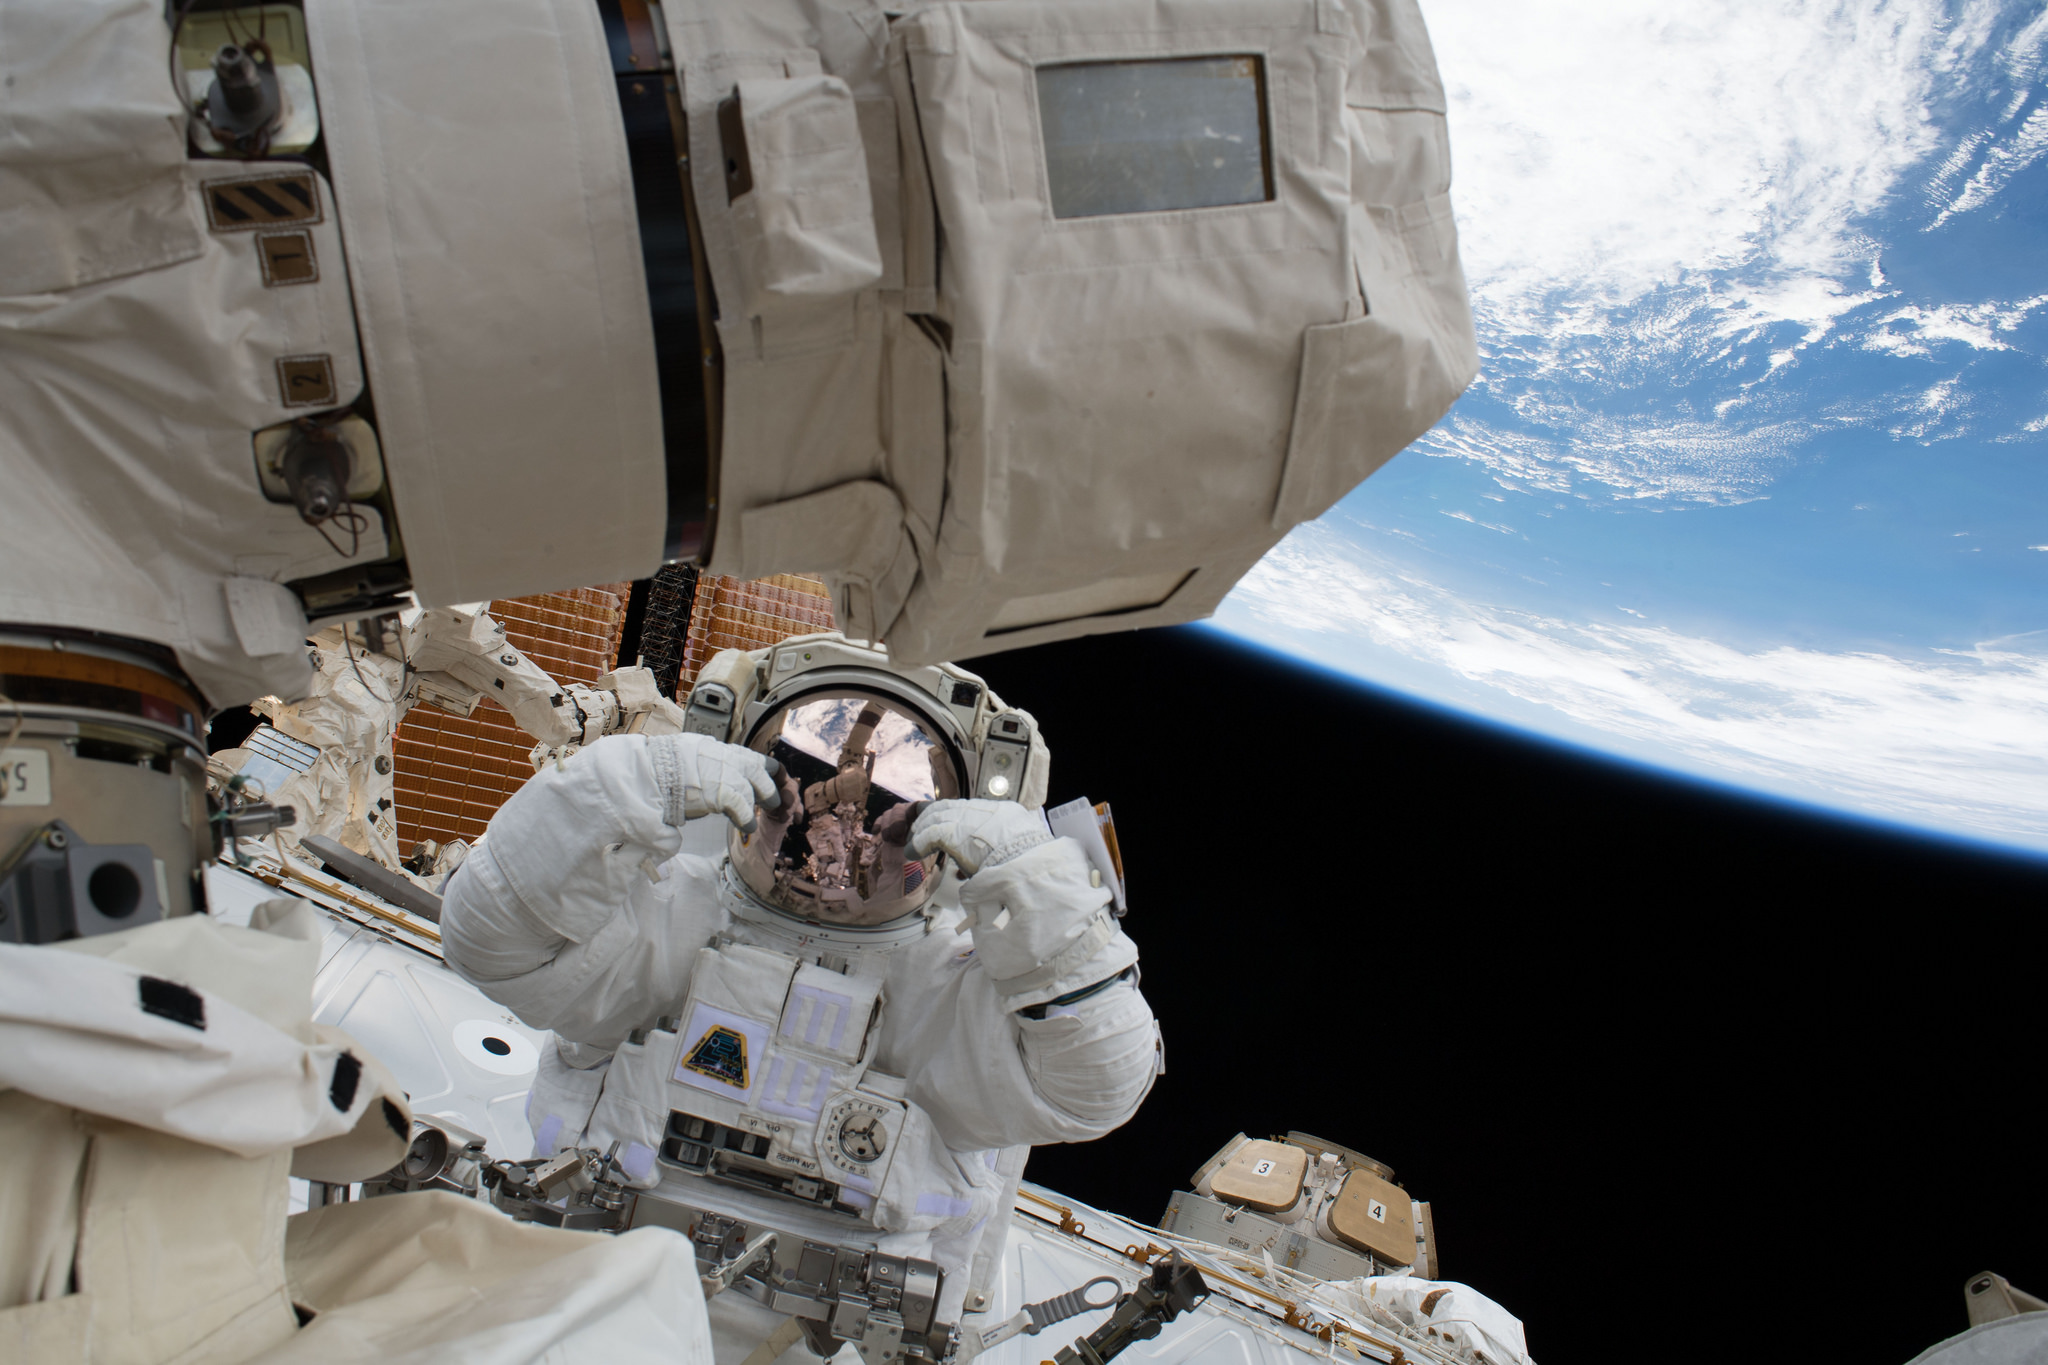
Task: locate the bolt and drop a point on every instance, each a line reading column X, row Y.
column 55, row 839
column 315, row 471
column 239, row 83
column 383, row 764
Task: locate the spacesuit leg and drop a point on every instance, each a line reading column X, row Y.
column 558, row 1107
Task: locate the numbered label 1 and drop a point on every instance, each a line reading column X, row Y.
column 24, row 777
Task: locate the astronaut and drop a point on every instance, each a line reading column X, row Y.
column 846, row 1030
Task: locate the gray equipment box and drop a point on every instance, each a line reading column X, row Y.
column 1293, row 1246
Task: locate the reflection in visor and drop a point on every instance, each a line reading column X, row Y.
column 856, row 766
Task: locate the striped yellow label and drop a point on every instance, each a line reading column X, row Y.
column 262, row 201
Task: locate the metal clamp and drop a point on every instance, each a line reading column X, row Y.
column 576, row 1189
column 721, row 1277
column 1171, row 1289
column 885, row 1305
column 1034, row 1318
column 443, row 1156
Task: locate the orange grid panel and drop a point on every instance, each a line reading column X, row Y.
column 732, row 613
column 453, row 772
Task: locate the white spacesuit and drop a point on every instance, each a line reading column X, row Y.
column 857, row 1020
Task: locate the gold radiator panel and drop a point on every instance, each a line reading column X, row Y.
column 733, row 613
column 453, row 772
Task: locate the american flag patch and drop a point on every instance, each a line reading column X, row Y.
column 913, row 877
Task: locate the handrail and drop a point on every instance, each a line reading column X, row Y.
column 297, row 875
column 1291, row 1314
column 1068, row 1223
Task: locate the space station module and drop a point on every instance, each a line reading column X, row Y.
column 824, row 1054
column 1016, row 319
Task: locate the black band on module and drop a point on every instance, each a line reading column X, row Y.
column 679, row 297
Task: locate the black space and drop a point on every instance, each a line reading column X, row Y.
column 1677, row 1071
column 230, row 727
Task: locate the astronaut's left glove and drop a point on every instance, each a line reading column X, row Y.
column 1040, row 918
column 699, row 775
column 977, row 833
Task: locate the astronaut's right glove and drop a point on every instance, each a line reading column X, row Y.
column 977, row 833
column 699, row 775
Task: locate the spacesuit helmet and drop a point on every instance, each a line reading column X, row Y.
column 856, row 764
column 862, row 744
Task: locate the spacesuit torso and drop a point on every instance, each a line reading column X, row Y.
column 886, row 1089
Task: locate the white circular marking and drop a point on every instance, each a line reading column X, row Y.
column 496, row 1047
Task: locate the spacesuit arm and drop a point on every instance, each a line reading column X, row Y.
column 550, row 914
column 993, row 1075
column 1049, row 1041
column 1056, row 960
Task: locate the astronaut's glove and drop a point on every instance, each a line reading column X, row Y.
column 1042, row 924
column 977, row 833
column 699, row 775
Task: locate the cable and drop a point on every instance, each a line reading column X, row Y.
column 177, row 74
column 325, row 432
column 349, row 650
column 356, row 522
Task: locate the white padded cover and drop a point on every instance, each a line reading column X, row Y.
column 1034, row 427
column 480, row 163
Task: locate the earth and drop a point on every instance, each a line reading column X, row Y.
column 1753, row 484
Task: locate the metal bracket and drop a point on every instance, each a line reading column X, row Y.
column 55, row 885
column 718, row 1280
column 1034, row 1318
